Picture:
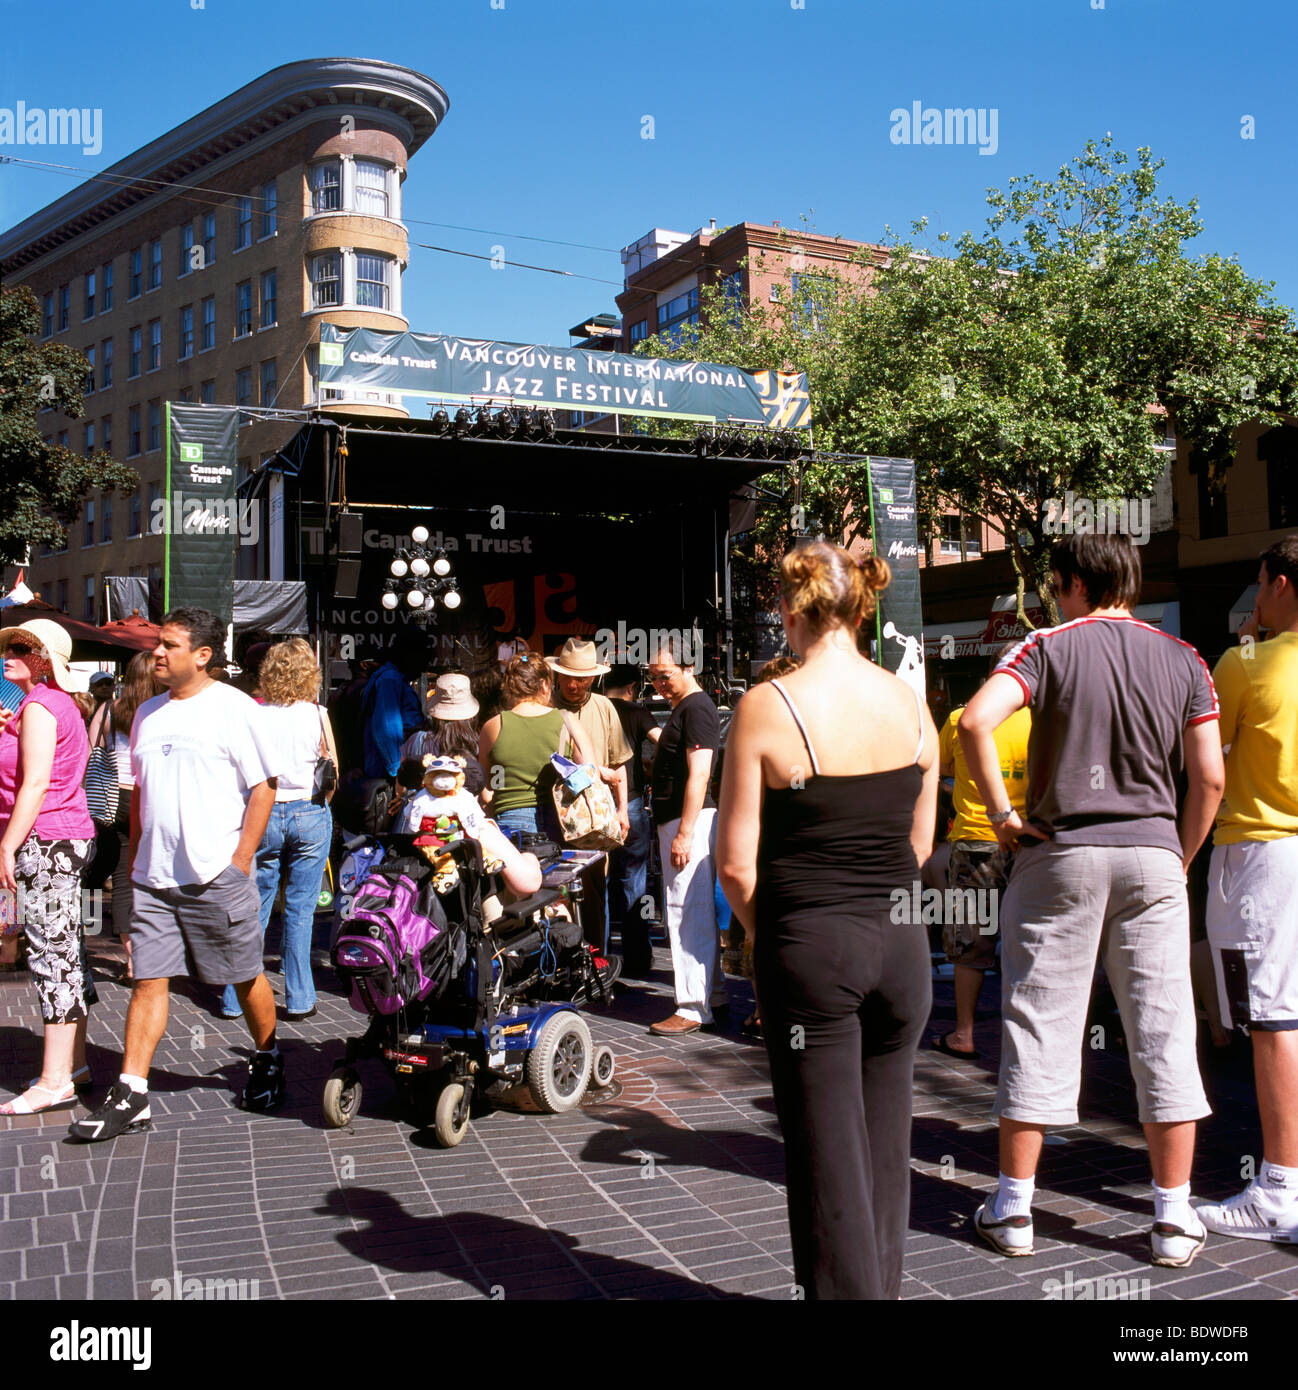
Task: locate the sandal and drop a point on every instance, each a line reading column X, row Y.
column 752, row 1027
column 81, row 1079
column 944, row 1045
column 19, row 1105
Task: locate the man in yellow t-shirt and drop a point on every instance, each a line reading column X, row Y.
column 1252, row 915
column 976, row 863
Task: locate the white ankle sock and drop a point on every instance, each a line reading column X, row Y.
column 1279, row 1181
column 1013, row 1197
column 1173, row 1204
column 138, row 1084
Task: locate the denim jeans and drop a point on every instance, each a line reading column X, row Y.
column 627, row 872
column 295, row 846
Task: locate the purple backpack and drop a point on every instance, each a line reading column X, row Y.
column 395, row 947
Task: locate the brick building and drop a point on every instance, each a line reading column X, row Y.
column 200, row 267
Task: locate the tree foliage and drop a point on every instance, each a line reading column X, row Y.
column 42, row 486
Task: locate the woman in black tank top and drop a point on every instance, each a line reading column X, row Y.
column 813, row 863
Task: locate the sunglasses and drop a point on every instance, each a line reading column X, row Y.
column 657, row 677
column 19, row 649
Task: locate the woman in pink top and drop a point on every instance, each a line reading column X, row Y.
column 46, row 839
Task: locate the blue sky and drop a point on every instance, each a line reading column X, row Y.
column 760, row 111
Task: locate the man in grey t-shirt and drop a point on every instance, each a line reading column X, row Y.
column 1119, row 711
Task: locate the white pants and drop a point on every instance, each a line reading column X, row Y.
column 689, row 905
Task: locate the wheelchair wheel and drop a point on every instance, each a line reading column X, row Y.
column 602, row 1068
column 446, row 1130
column 559, row 1066
column 342, row 1097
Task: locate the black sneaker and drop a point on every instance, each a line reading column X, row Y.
column 265, row 1088
column 124, row 1111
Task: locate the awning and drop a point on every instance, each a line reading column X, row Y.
column 1242, row 609
column 953, row 641
column 278, row 605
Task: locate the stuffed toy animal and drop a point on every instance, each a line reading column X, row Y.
column 441, row 813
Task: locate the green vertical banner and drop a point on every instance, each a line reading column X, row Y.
column 900, row 619
column 200, row 520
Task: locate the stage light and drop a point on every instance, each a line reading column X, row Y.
column 451, row 598
column 390, row 600
column 415, row 598
column 547, row 424
column 441, row 422
column 419, row 535
column 505, row 422
column 441, row 565
column 463, row 419
column 702, row 442
column 398, row 569
column 482, row 420
column 419, row 567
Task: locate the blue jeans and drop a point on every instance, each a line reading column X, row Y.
column 627, row 872
column 295, row 846
column 520, row 818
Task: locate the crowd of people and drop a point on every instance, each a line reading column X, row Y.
column 1086, row 774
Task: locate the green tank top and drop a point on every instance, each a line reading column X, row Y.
column 522, row 749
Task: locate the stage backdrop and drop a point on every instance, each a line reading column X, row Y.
column 200, row 521
column 899, row 618
column 534, row 374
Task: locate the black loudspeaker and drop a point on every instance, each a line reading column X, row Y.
column 350, row 534
column 348, row 578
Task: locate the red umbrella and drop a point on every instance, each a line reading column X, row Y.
column 135, row 632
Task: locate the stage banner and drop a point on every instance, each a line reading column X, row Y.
column 482, row 371
column 200, row 518
column 899, row 618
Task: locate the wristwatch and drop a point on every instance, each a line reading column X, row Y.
column 1000, row 817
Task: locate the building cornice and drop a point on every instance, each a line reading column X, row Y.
column 242, row 118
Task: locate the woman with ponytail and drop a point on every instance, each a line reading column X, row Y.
column 827, row 809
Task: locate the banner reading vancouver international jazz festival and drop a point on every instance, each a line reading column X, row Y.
column 899, row 618
column 533, row 374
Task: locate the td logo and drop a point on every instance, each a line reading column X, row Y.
column 191, row 453
column 331, row 354
column 885, row 494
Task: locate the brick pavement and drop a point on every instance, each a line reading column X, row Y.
column 673, row 1189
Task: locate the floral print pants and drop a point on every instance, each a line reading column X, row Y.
column 49, row 909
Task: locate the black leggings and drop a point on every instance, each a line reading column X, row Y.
column 844, row 1000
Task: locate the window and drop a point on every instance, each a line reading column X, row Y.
column 187, row 331
column 132, row 431
column 186, row 248
column 242, row 223
column 269, row 382
column 269, row 209
column 372, row 281
column 155, row 344
column 134, row 511
column 207, row 393
column 955, row 530
column 243, row 386
column 268, row 307
column 155, row 519
column 186, row 395
column 88, row 612
column 88, row 444
column 90, row 295
column 209, row 323
column 137, row 262
column 640, row 331
column 106, row 525
column 1213, row 517
column 209, row 238
column 137, row 348
column 62, row 438
column 65, row 306
column 327, row 187
column 63, row 595
column 243, row 309
column 106, row 363
column 732, row 290
column 47, row 315
column 813, row 295
column 106, row 434
column 106, row 293
column 155, row 426
column 326, row 280
column 89, row 384
column 678, row 316
column 88, row 534
column 371, row 188
column 155, row 263
column 1278, row 449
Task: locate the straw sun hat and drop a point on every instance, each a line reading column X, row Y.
column 52, row 642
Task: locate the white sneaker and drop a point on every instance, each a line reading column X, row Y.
column 1257, row 1213
column 1012, row 1236
column 1176, row 1246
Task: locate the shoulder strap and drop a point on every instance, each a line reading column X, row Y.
column 802, row 728
column 919, row 711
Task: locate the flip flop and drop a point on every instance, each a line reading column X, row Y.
column 942, row 1045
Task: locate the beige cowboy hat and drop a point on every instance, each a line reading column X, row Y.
column 50, row 641
column 452, row 698
column 577, row 658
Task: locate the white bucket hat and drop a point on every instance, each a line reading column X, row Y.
column 53, row 643
column 454, row 699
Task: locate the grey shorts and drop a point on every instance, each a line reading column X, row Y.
column 1253, row 929
column 212, row 930
column 1065, row 905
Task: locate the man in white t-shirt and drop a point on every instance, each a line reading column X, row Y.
column 204, row 772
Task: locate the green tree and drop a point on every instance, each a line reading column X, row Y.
column 42, row 486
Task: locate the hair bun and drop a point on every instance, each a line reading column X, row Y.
column 876, row 573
